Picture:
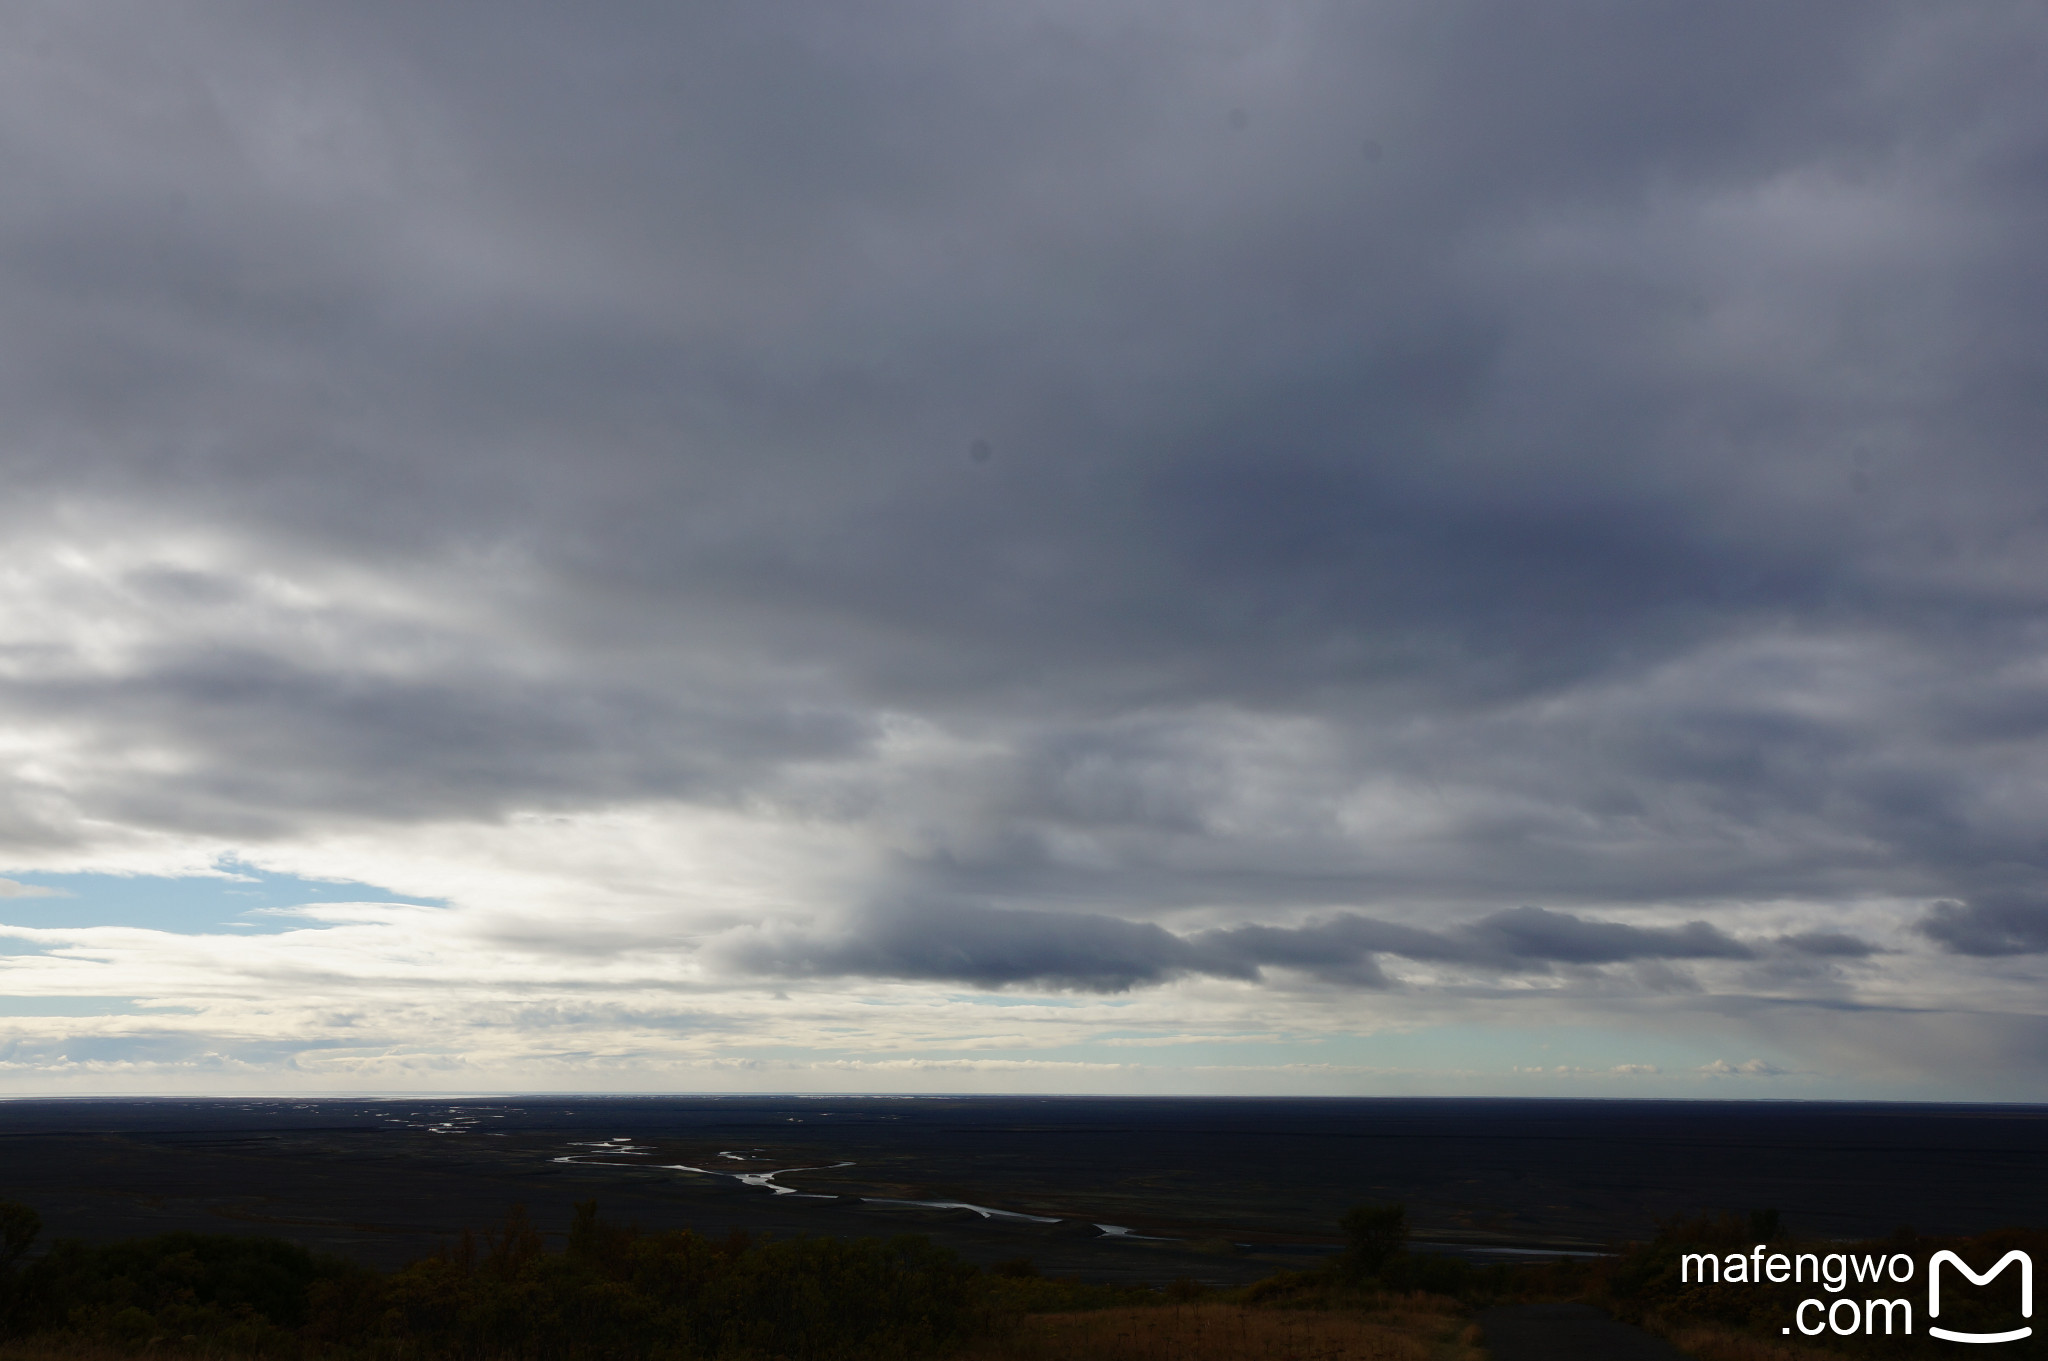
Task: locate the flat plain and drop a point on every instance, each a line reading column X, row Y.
column 1220, row 1190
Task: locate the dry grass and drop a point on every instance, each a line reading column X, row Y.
column 1416, row 1328
column 1720, row 1344
column 59, row 1348
column 1231, row 1332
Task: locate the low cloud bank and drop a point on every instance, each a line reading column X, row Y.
column 995, row 946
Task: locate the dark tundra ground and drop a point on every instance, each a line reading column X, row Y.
column 1239, row 1188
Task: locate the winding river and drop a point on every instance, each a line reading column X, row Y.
column 595, row 1158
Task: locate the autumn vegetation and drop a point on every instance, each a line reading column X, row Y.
column 614, row 1291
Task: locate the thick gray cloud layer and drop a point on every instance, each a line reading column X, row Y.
column 990, row 947
column 1335, row 475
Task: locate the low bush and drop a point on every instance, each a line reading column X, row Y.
column 244, row 1294
column 616, row 1292
column 1376, row 1262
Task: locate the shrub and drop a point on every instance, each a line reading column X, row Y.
column 616, row 1292
column 19, row 1226
column 1373, row 1233
column 620, row 1292
column 244, row 1292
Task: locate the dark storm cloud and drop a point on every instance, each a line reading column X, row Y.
column 1622, row 488
column 1518, row 938
column 994, row 946
column 1996, row 925
column 1532, row 933
column 988, row 947
column 1825, row 945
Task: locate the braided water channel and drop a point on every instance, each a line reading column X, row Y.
column 625, row 1145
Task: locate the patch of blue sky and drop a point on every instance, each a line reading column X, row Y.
column 82, row 1006
column 240, row 898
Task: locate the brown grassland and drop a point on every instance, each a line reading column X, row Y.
column 1417, row 1329
column 615, row 1292
column 1725, row 1344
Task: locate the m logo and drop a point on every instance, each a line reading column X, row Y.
column 2026, row 1293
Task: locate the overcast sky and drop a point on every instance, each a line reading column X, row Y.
column 1075, row 545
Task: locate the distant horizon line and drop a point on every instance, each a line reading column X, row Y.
column 590, row 1095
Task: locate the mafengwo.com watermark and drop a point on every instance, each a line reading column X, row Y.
column 1872, row 1293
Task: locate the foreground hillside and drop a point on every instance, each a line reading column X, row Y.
column 617, row 1293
